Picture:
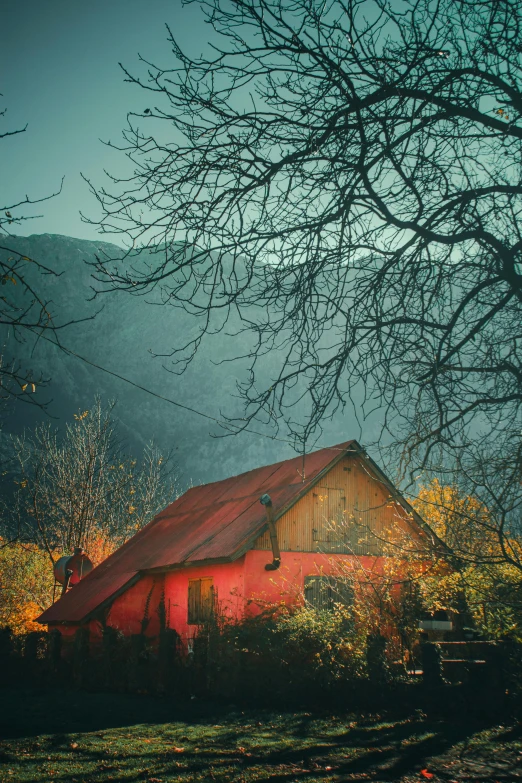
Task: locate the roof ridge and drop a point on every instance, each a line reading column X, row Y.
column 337, row 447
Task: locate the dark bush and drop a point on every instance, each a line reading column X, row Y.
column 280, row 657
column 81, row 659
column 170, row 655
column 115, row 659
column 35, row 646
column 139, row 664
column 6, row 643
column 376, row 662
column 54, row 650
column 282, row 654
column 432, row 665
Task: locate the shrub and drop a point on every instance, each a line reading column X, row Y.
column 376, row 662
column 81, row 656
column 432, row 665
column 115, row 658
column 320, row 645
column 282, row 653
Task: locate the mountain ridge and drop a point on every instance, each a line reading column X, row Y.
column 122, row 337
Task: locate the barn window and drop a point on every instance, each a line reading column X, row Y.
column 200, row 600
column 323, row 592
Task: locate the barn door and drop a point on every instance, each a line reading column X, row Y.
column 329, row 519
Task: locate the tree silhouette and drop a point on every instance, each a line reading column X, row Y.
column 23, row 308
column 345, row 176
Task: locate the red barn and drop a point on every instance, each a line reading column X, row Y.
column 329, row 509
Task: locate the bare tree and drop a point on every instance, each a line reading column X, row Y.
column 23, row 308
column 345, row 176
column 74, row 489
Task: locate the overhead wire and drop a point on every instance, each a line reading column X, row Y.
column 233, row 428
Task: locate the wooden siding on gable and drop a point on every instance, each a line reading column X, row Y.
column 348, row 512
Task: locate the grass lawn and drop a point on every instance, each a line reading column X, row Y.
column 92, row 738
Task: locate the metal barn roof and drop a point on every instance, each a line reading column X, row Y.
column 216, row 522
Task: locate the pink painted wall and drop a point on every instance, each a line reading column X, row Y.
column 243, row 587
column 287, row 583
column 129, row 609
column 228, row 581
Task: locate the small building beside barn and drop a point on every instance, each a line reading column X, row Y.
column 218, row 548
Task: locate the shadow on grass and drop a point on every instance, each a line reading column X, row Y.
column 122, row 737
column 31, row 712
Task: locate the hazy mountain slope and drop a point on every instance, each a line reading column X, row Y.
column 119, row 338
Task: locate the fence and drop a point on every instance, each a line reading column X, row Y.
column 161, row 665
column 481, row 665
column 114, row 662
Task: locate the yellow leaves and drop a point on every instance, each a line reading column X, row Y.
column 470, row 530
column 23, row 483
column 441, row 590
column 27, row 581
column 100, row 546
column 6, row 278
column 132, row 509
column 460, row 520
column 25, row 385
column 502, row 113
column 81, row 416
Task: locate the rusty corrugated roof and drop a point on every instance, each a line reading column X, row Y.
column 215, row 521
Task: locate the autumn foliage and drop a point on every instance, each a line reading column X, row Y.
column 76, row 489
column 486, row 578
column 26, row 585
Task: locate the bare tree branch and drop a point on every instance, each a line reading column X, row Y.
column 343, row 179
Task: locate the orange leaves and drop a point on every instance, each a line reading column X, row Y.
column 100, row 547
column 26, row 580
column 502, row 113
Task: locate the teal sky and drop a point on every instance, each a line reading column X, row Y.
column 59, row 73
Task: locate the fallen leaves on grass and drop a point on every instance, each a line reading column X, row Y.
column 103, row 767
